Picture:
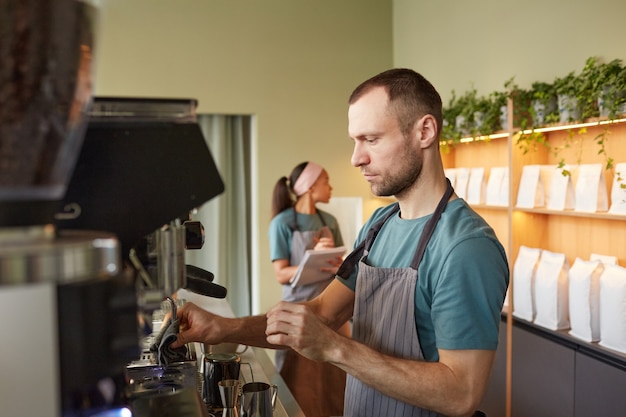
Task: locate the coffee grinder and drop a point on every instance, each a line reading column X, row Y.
column 85, row 185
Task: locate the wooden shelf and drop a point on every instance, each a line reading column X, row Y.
column 489, row 207
column 543, row 129
column 573, row 233
column 572, row 213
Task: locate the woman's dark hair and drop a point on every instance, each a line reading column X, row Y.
column 283, row 190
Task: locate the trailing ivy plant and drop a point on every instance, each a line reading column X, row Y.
column 468, row 115
column 450, row 135
column 573, row 139
column 605, row 83
column 589, row 84
column 588, row 87
column 544, row 94
column 611, row 87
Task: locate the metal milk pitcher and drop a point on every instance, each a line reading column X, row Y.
column 258, row 399
column 217, row 367
column 229, row 392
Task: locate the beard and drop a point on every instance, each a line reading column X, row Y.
column 401, row 177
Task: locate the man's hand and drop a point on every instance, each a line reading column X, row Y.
column 198, row 325
column 296, row 326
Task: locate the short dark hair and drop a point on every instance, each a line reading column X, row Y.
column 411, row 96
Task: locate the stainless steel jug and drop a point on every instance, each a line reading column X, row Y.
column 229, row 393
column 258, row 399
column 217, row 367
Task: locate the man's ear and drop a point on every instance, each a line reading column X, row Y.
column 427, row 127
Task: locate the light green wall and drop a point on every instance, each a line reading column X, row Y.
column 293, row 63
column 290, row 63
column 460, row 43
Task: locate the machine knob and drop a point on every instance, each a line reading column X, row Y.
column 194, row 234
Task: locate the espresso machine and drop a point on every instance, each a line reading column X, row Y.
column 95, row 196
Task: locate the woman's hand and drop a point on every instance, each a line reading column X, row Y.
column 333, row 265
column 324, row 243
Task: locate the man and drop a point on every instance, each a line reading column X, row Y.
column 424, row 286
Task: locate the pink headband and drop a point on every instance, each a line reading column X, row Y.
column 309, row 175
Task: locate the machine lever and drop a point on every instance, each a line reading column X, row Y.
column 199, row 281
column 199, row 273
column 205, row 288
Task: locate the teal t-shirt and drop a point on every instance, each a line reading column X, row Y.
column 462, row 279
column 282, row 226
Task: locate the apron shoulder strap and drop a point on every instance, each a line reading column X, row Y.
column 346, row 268
column 429, row 227
column 319, row 214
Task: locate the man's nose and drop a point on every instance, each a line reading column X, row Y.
column 359, row 157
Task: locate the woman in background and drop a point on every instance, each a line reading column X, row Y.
column 298, row 225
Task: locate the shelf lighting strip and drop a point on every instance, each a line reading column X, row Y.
column 543, row 129
column 486, row 137
column 574, row 126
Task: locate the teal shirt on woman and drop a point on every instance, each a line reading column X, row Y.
column 281, row 230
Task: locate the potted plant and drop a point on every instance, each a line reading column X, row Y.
column 486, row 114
column 451, row 112
column 611, row 89
column 464, row 116
column 521, row 103
column 589, row 84
column 567, row 90
column 543, row 107
column 469, row 105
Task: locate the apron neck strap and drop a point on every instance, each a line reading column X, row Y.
column 295, row 226
column 346, row 268
column 429, row 228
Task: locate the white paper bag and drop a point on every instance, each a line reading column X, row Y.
column 561, row 193
column 505, row 305
column 497, row 193
column 476, row 186
column 605, row 259
column 551, row 291
column 530, row 193
column 584, row 299
column 591, row 195
column 451, row 175
column 523, row 282
column 462, row 179
column 613, row 308
column 618, row 190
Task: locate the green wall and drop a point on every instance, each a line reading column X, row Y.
column 460, row 43
column 290, row 63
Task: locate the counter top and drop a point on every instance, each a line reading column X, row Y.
column 260, row 366
column 593, row 349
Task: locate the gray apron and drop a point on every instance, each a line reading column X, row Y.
column 301, row 241
column 384, row 318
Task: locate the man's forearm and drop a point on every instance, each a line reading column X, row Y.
column 248, row 331
column 432, row 385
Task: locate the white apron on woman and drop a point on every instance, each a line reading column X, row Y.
column 317, row 387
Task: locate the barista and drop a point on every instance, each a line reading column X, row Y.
column 298, row 225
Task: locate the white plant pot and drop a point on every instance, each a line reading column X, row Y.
column 568, row 108
column 604, row 105
column 461, row 125
column 540, row 113
column 504, row 117
column 478, row 119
